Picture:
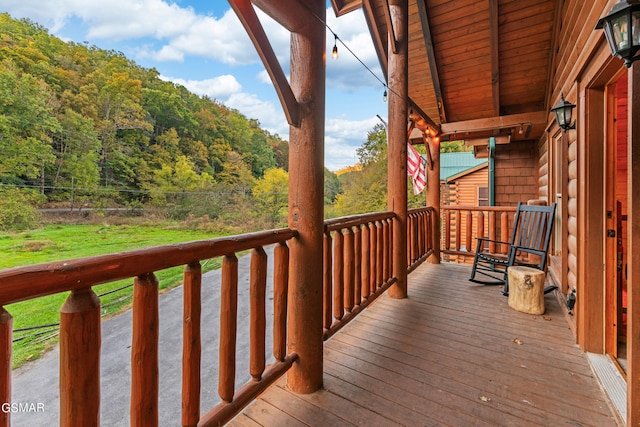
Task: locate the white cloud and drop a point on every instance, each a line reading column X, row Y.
column 218, row 87
column 176, row 31
column 347, row 73
column 270, row 116
column 342, row 138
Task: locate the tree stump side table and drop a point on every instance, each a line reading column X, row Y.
column 526, row 289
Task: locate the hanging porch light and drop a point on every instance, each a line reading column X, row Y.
column 622, row 30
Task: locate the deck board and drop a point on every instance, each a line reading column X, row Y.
column 452, row 354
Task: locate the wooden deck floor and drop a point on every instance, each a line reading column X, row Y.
column 452, row 354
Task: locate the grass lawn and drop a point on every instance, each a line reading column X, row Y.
column 61, row 242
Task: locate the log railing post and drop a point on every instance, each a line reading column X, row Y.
column 373, row 250
column 469, row 233
column 504, row 231
column 338, row 275
column 258, row 289
column 447, row 230
column 228, row 328
column 327, row 284
column 191, row 344
column 80, row 359
column 280, row 286
column 379, row 253
column 481, row 228
column 492, row 231
column 6, row 328
column 349, row 270
column 357, row 267
column 366, row 261
column 386, row 261
column 144, row 352
column 458, row 229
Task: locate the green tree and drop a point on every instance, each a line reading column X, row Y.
column 236, row 174
column 271, row 193
column 18, row 209
column 26, row 124
column 180, row 188
column 332, row 186
column 77, row 152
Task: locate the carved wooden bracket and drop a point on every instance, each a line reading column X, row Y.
column 247, row 14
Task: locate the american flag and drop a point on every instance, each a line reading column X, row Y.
column 416, row 169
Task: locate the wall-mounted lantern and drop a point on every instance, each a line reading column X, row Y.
column 622, row 30
column 563, row 112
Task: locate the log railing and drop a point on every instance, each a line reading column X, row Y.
column 357, row 266
column 461, row 225
column 357, row 269
column 420, row 235
column 357, row 260
column 80, row 325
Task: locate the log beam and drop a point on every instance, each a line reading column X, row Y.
column 397, row 171
column 306, row 203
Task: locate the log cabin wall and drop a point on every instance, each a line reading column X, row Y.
column 544, row 180
column 583, row 70
column 515, row 173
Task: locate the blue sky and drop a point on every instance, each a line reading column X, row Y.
column 202, row 45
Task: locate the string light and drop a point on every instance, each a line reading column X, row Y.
column 334, row 53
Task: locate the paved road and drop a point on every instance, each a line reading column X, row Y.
column 37, row 382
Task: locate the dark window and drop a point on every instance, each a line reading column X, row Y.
column 483, row 196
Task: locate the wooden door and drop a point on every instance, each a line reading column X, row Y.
column 616, row 214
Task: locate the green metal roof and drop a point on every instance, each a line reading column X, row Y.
column 454, row 163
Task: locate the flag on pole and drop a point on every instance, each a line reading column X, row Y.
column 416, row 169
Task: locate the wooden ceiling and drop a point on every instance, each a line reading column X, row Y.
column 477, row 68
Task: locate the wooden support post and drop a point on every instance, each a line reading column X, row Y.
column 397, row 171
column 433, row 196
column 144, row 352
column 80, row 359
column 6, row 329
column 191, row 344
column 306, row 201
column 633, row 242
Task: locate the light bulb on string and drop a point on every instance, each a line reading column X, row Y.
column 334, row 52
column 384, row 95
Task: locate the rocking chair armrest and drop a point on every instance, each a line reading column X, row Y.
column 528, row 250
column 486, row 239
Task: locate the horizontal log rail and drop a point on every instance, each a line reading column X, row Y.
column 461, row 225
column 80, row 338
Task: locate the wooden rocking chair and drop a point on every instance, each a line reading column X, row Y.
column 528, row 246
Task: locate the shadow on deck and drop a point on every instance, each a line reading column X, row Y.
column 453, row 353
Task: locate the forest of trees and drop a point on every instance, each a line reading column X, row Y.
column 85, row 127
